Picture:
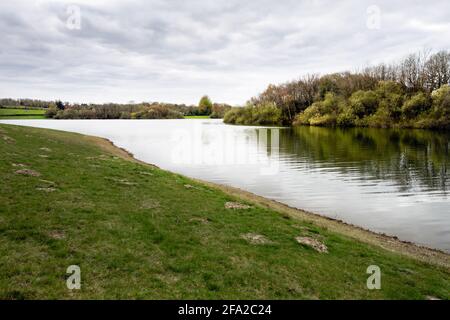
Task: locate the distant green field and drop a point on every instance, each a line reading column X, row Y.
column 20, row 113
column 197, row 117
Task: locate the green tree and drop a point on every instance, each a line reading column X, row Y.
column 363, row 103
column 205, row 106
column 415, row 105
column 60, row 105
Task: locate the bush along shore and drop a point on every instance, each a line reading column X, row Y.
column 413, row 93
column 38, row 109
column 136, row 231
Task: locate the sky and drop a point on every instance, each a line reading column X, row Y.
column 176, row 51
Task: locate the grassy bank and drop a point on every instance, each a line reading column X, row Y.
column 140, row 232
column 197, row 117
column 21, row 113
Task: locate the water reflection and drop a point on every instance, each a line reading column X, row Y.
column 414, row 160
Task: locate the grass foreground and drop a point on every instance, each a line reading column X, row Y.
column 138, row 232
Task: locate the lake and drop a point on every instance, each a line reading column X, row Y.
column 390, row 181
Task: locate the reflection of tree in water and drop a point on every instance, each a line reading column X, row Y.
column 408, row 157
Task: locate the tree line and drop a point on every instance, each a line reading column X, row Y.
column 155, row 110
column 411, row 93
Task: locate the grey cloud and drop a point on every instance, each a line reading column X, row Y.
column 178, row 50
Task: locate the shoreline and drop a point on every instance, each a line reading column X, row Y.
column 387, row 242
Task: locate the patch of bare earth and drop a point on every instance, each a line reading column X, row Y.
column 28, row 172
column 313, row 243
column 57, row 235
column 150, row 204
column 144, row 173
column 124, row 182
column 254, row 238
column 46, row 186
column 46, row 189
column 8, row 139
column 200, row 220
column 20, row 165
column 237, row 206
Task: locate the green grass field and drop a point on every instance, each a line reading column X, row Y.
column 197, row 117
column 20, row 113
column 138, row 232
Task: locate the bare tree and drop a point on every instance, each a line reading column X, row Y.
column 437, row 70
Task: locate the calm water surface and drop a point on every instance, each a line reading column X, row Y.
column 391, row 181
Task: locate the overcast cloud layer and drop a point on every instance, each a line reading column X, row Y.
column 176, row 51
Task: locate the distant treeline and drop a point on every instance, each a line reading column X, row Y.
column 412, row 93
column 155, row 110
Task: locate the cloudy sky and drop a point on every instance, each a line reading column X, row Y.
column 178, row 50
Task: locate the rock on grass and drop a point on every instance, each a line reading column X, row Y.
column 254, row 238
column 313, row 243
column 236, row 206
column 28, row 172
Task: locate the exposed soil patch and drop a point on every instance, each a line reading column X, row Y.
column 28, row 172
column 8, row 139
column 19, row 165
column 124, row 182
column 254, row 238
column 46, row 189
column 58, row 235
column 150, row 204
column 144, row 173
column 313, row 243
column 237, row 206
column 200, row 220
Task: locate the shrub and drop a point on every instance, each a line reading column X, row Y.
column 363, row 103
column 323, row 120
column 157, row 112
column 415, row 105
column 51, row 112
column 346, row 118
column 441, row 101
column 263, row 114
column 304, row 117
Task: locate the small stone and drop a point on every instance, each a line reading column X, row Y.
column 58, row 235
column 49, row 189
column 313, row 243
column 8, row 139
column 21, row 165
column 28, row 172
column 254, row 238
column 236, row 206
